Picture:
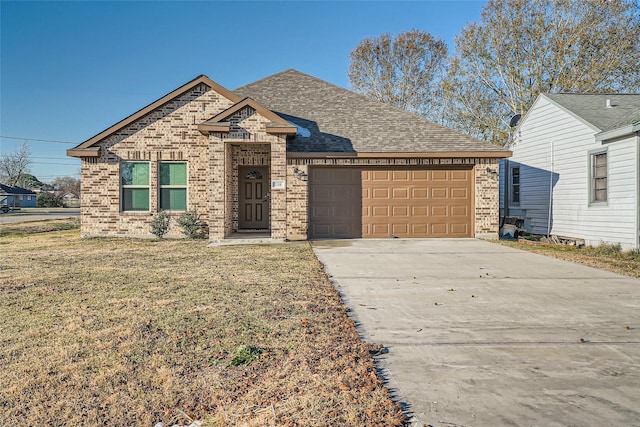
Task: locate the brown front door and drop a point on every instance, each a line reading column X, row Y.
column 254, row 197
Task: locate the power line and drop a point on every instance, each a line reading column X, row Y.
column 38, row 140
column 53, row 163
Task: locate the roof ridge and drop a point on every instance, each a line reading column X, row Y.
column 364, row 97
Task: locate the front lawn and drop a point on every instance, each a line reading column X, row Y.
column 604, row 257
column 136, row 332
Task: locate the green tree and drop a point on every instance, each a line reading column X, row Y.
column 48, row 200
column 402, row 71
column 521, row 48
column 29, row 181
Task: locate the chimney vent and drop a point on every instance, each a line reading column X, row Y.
column 609, row 105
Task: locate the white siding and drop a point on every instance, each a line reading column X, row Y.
column 547, row 126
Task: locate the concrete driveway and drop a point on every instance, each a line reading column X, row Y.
column 479, row 334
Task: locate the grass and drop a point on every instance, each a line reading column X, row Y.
column 136, row 332
column 605, row 257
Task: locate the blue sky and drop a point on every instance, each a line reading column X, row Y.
column 68, row 70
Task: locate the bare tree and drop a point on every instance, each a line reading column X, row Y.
column 522, row 48
column 14, row 165
column 67, row 184
column 403, row 71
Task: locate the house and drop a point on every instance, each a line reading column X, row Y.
column 292, row 155
column 17, row 197
column 574, row 169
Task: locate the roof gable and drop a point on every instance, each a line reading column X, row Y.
column 85, row 149
column 219, row 122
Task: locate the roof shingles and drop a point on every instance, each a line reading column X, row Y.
column 624, row 110
column 343, row 121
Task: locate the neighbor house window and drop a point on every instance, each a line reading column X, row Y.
column 134, row 178
column 599, row 177
column 173, row 186
column 515, row 184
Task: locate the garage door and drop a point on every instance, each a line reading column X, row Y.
column 385, row 202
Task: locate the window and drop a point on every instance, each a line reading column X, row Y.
column 173, row 186
column 134, row 178
column 599, row 177
column 515, row 184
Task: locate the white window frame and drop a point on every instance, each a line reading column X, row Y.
column 592, row 178
column 512, row 185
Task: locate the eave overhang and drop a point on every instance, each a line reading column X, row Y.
column 152, row 107
column 84, row 152
column 401, row 155
column 618, row 133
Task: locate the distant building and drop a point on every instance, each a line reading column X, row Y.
column 17, row 197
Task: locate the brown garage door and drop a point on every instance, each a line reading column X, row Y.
column 385, row 202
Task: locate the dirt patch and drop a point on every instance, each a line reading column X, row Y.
column 136, row 332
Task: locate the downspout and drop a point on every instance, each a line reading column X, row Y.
column 505, row 198
column 550, row 194
column 638, row 191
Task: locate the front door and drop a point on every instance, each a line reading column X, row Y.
column 254, row 197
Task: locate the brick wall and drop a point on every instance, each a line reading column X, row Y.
column 168, row 133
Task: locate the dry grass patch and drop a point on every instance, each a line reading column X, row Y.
column 605, row 257
column 135, row 332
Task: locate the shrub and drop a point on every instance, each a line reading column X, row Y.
column 606, row 249
column 191, row 225
column 48, row 200
column 160, row 224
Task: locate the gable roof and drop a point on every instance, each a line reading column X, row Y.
column 592, row 108
column 339, row 120
column 328, row 118
column 218, row 123
column 85, row 149
column 5, row 189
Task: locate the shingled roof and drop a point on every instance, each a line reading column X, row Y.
column 5, row 189
column 338, row 120
column 592, row 108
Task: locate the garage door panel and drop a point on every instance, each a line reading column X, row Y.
column 419, row 193
column 459, row 211
column 400, row 193
column 401, row 175
column 459, row 229
column 400, row 211
column 400, row 201
column 439, row 175
column 459, row 193
column 379, row 193
column 400, row 230
column 439, row 211
column 440, row 193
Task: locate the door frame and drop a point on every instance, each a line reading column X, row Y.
column 242, row 170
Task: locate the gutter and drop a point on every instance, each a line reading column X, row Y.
column 619, row 132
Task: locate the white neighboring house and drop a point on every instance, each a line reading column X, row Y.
column 575, row 169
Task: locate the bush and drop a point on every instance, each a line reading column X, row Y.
column 191, row 224
column 48, row 200
column 160, row 224
column 606, row 249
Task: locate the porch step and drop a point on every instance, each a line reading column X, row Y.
column 247, row 241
